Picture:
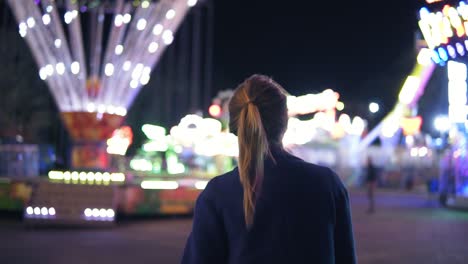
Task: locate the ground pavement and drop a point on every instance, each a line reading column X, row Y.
column 406, row 228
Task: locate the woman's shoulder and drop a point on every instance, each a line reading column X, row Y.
column 221, row 183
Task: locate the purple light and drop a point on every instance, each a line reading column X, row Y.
column 83, row 9
column 37, row 1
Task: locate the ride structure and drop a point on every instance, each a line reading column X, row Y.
column 95, row 59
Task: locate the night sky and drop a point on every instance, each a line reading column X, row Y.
column 362, row 49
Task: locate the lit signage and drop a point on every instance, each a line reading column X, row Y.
column 445, row 31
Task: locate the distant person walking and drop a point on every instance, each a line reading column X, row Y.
column 371, row 182
column 274, row 207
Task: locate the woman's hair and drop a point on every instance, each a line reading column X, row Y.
column 258, row 116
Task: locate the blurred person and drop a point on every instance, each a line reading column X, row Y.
column 371, row 182
column 274, row 207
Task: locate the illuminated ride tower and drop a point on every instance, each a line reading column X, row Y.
column 444, row 25
column 95, row 59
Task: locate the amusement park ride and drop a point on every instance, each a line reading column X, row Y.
column 95, row 59
column 444, row 25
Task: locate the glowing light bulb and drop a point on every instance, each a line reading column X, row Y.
column 46, row 19
column 29, row 210
column 153, row 47
column 88, row 212
column 118, row 20
column 118, row 49
column 52, row 211
column 49, row 8
column 167, row 37
column 95, row 212
column 170, row 14
column 58, row 43
column 103, row 212
column 141, row 24
column 127, row 18
column 127, row 65
column 145, row 4
column 75, row 67
column 49, row 69
column 68, row 17
column 31, row 22
column 109, row 69
column 37, row 211
column 191, row 2
column 158, row 29
column 43, row 73
column 60, row 68
column 110, row 213
column 44, row 211
column 134, row 83
column 144, row 80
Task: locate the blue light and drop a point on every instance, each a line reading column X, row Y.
column 451, row 51
column 460, row 49
column 464, row 191
column 435, row 57
column 423, row 12
column 442, row 54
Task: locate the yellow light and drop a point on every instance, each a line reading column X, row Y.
column 201, row 185
column 55, row 175
column 340, row 106
column 117, row 177
column 409, row 90
column 159, row 185
column 145, row 4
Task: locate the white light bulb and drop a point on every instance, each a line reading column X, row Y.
column 52, row 211
column 74, row 13
column 49, row 69
column 88, row 212
column 170, row 14
column 75, row 67
column 68, row 17
column 119, row 19
column 43, row 73
column 95, row 212
column 127, row 18
column 118, row 49
column 49, row 8
column 110, row 213
column 146, row 70
column 109, row 69
column 44, row 211
column 91, row 108
column 134, row 84
column 121, row 111
column 167, row 37
column 37, row 211
column 58, row 43
column 103, row 212
column 31, row 22
column 141, row 24
column 23, row 32
column 158, row 29
column 144, row 80
column 23, row 26
column 153, row 47
column 60, row 68
column 127, row 65
column 46, row 19
column 137, row 71
column 191, row 2
column 29, row 210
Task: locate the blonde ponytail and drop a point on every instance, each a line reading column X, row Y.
column 253, row 146
column 258, row 115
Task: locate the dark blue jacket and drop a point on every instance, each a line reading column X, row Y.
column 302, row 216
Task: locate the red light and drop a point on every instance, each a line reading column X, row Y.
column 215, row 110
